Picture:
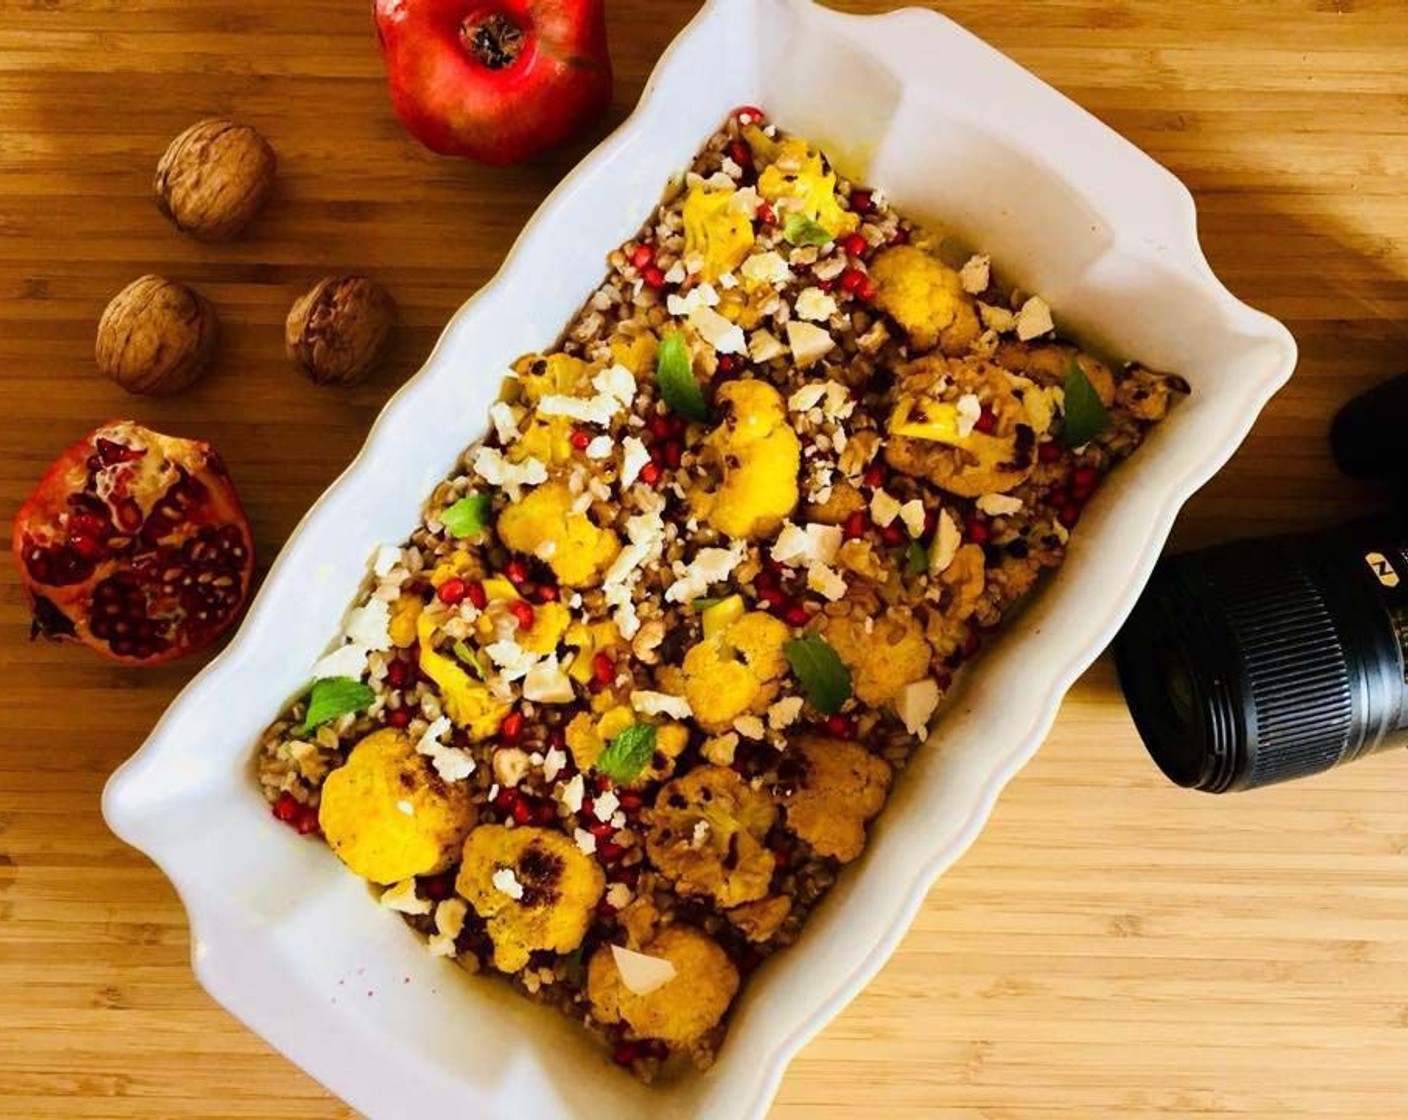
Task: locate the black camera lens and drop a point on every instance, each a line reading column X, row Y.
column 1270, row 659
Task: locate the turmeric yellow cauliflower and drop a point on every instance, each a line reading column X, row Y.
column 588, row 734
column 707, row 834
column 465, row 699
column 797, row 176
column 752, row 458
column 543, row 524
column 715, row 229
column 736, row 670
column 534, row 887
column 683, row 1008
column 547, row 438
column 388, row 815
column 925, row 297
column 841, row 787
column 883, row 647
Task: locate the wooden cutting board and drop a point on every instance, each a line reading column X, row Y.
column 1111, row 948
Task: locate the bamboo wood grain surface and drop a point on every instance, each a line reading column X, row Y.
column 1111, row 947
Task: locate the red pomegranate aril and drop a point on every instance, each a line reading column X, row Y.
column 728, row 363
column 516, row 571
column 286, row 808
column 893, row 535
column 985, row 422
column 523, row 612
column 741, row 154
column 603, row 668
column 1085, row 479
column 86, row 545
column 307, row 822
column 901, row 237
column 545, row 812
column 511, row 727
column 653, row 277
column 631, row 802
column 796, row 615
column 452, row 591
column 766, row 214
column 842, row 727
column 866, row 291
column 931, row 522
column 781, row 860
column 673, row 454
column 580, row 438
column 642, row 255
column 650, row 473
column 862, row 202
column 774, row 597
column 546, row 593
column 477, row 595
column 747, row 114
column 506, row 798
column 852, row 280
column 677, row 426
column 398, row 717
column 600, row 829
column 660, row 426
column 977, row 531
column 1069, row 515
column 626, row 1054
column 523, row 811
column 609, row 851
column 854, row 526
column 1049, row 452
column 825, row 285
column 396, row 672
column 438, row 887
column 853, row 244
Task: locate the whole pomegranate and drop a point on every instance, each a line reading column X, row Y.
column 134, row 543
column 496, row 81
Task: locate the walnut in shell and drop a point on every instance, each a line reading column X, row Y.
column 214, row 179
column 156, row 337
column 339, row 330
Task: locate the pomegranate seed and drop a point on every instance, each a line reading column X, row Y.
column 625, row 1054
column 766, row 214
column 653, row 277
column 842, row 727
column 1069, row 515
column 88, row 547
column 659, row 426
column 1049, row 452
column 852, row 280
column 452, row 591
column 286, row 807
column 796, row 615
column 854, row 244
column 1085, row 478
column 511, row 728
column 901, row 237
column 631, row 802
column 985, row 422
column 854, row 526
column 506, row 797
column 931, row 522
column 523, row 612
column 89, row 523
column 516, row 571
column 767, row 578
column 609, row 851
column 650, row 473
column 522, row 812
column 600, row 829
column 438, row 887
column 674, row 454
column 398, row 717
column 747, row 114
column 862, row 202
column 580, row 438
column 825, row 285
column 727, row 363
column 893, row 534
column 677, row 425
column 642, row 255
column 307, row 822
column 775, row 597
column 396, row 673
column 477, row 595
column 741, row 154
column 603, row 668
column 546, row 593
column 866, row 291
column 545, row 813
column 977, row 531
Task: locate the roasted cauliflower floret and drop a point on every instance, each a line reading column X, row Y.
column 466, row 700
column 736, row 670
column 388, row 815
column 543, row 524
column 1146, row 394
column 797, row 176
column 959, row 424
column 884, row 648
column 588, row 734
column 717, row 230
column 751, row 461
column 1049, row 364
column 682, row 1009
column 547, row 438
column 960, row 587
column 843, row 501
column 925, row 297
column 534, row 887
column 760, row 920
column 707, row 834
column 839, row 786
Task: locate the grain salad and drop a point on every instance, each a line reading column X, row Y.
column 612, row 720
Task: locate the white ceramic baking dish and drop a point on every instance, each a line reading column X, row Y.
column 291, row 943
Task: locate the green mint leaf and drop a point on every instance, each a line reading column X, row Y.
column 467, row 516
column 674, row 374
column 916, row 559
column 824, row 678
column 576, row 970
column 468, row 657
column 335, row 696
column 801, row 230
column 1085, row 415
column 700, row 605
column 628, row 754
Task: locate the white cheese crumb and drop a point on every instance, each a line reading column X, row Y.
column 642, row 974
column 709, row 566
column 546, row 683
column 661, row 704
column 718, row 332
column 996, row 505
column 912, row 514
column 449, row 924
column 512, row 659
column 970, row 409
column 798, row 545
column 349, row 661
column 808, row 342
column 369, row 625
column 784, row 713
column 402, row 898
column 506, row 882
column 764, row 346
column 553, row 763
column 635, row 458
column 388, row 556
column 585, row 840
column 505, row 423
column 766, row 268
column 976, row 274
column 916, row 705
column 490, row 465
column 720, row 749
column 572, row 792
column 605, row 804
column 701, row 295
column 750, row 727
column 1034, row 319
column 947, row 538
column 825, row 581
column 814, row 304
column 676, row 273
column 600, row 447
column 884, row 507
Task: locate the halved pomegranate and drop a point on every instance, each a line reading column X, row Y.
column 134, row 543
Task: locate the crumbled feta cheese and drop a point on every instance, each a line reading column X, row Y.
column 709, row 566
column 617, row 382
column 976, row 274
column 728, row 281
column 916, row 705
column 884, row 507
column 600, row 447
column 369, row 625
column 814, row 304
column 402, row 898
column 388, row 556
column 676, row 273
column 970, row 409
column 745, row 200
column 799, row 545
column 505, row 423
column 766, row 268
column 661, row 704
column 701, row 295
column 825, row 581
column 784, row 713
column 808, row 342
column 572, row 792
column 490, row 465
column 912, row 514
column 763, row 346
column 506, row 882
column 585, row 840
column 449, row 924
column 546, row 683
column 750, row 727
column 618, row 895
column 431, row 736
column 513, row 660
column 996, row 505
column 947, row 538
column 553, row 763
column 1034, row 319
column 807, row 397
column 635, row 457
column 718, row 332
column 720, row 749
column 598, row 409
column 605, row 804
column 349, row 661
column 642, row 974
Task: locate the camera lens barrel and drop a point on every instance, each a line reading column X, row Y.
column 1265, row 660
